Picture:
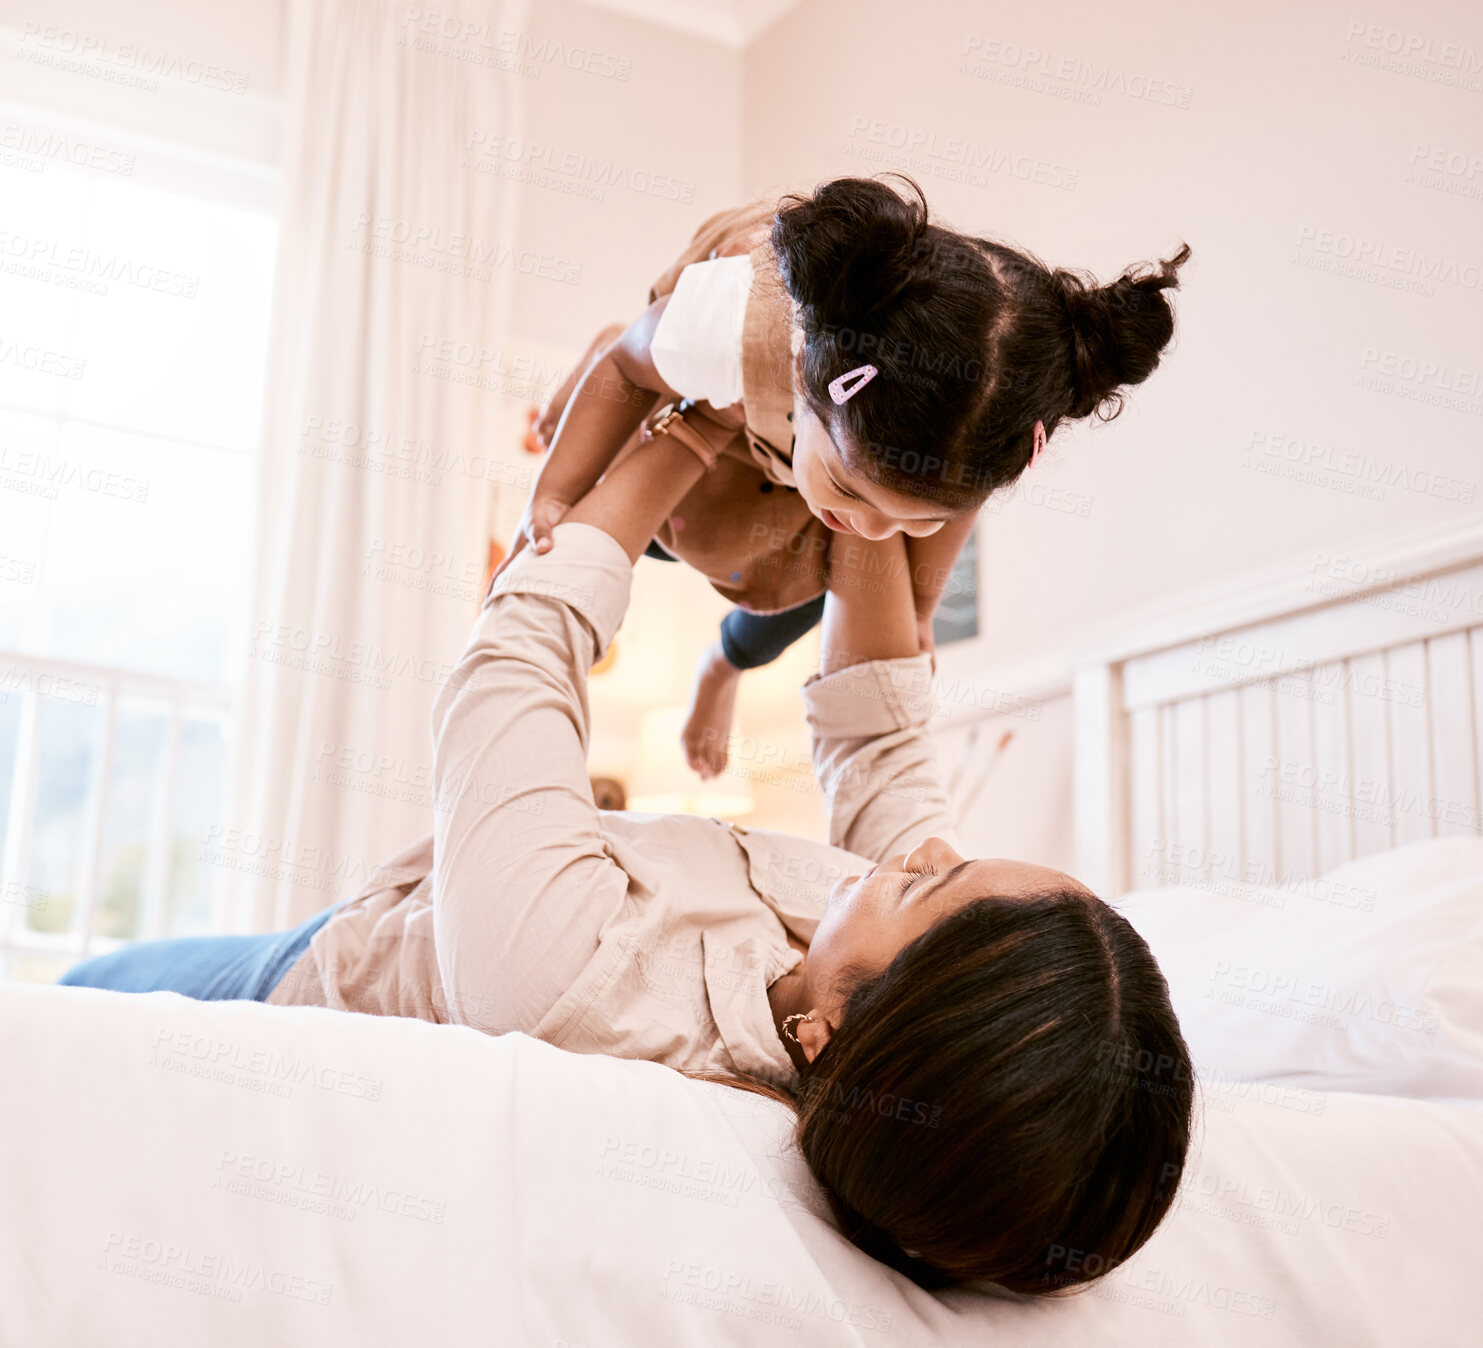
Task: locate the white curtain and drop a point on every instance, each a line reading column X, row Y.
column 373, row 492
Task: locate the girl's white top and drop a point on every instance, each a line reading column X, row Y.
column 697, row 345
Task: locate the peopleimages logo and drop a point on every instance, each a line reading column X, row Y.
column 1383, row 262
column 24, row 145
column 454, row 253
column 574, row 172
column 126, row 63
column 206, row 1272
column 1439, row 599
column 955, row 158
column 40, row 257
column 1084, row 79
column 1446, row 162
column 1414, row 46
column 1353, row 472
column 451, row 34
column 1431, row 382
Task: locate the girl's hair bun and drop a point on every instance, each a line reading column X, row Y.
column 1117, row 332
column 976, row 343
column 851, row 249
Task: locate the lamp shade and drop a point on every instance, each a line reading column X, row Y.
column 663, row 783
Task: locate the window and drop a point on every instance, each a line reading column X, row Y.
column 133, row 339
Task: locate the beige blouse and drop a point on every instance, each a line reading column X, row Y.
column 642, row 936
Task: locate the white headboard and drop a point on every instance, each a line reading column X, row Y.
column 1331, row 716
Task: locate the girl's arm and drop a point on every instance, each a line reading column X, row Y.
column 615, row 393
column 931, row 561
column 549, row 416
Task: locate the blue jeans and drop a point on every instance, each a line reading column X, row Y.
column 208, row 968
column 751, row 640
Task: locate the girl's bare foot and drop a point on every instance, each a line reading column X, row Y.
column 712, row 704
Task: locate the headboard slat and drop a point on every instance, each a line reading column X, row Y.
column 1292, row 778
column 1334, row 819
column 1259, row 806
column 1148, row 835
column 1278, row 750
column 1370, row 743
column 1411, row 784
column 1222, row 776
column 1453, row 744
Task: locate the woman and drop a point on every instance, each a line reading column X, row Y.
column 989, row 1079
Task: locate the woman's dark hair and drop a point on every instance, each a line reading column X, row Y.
column 974, row 341
column 1009, row 1100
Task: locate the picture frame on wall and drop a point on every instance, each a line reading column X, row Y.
column 956, row 618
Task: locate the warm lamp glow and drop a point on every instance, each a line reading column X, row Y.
column 608, row 660
column 662, row 782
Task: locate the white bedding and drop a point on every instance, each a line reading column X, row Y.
column 225, row 1174
column 1369, row 978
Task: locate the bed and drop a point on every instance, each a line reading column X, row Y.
column 184, row 1173
column 231, row 1174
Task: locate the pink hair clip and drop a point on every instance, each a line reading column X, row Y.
column 840, row 393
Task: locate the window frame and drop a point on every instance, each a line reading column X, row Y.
column 227, row 153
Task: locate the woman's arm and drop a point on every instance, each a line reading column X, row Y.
column 522, row 879
column 869, row 613
column 630, row 503
column 871, row 705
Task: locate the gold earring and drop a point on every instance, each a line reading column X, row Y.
column 790, row 1023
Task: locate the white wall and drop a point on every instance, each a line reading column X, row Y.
column 239, row 34
column 659, row 142
column 1294, row 143
column 1283, row 140
column 203, row 75
column 1292, row 146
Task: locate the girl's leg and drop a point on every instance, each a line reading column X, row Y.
column 208, row 968
column 748, row 641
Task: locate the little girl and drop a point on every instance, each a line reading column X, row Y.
column 882, row 374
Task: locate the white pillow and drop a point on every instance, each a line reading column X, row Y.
column 1369, row 978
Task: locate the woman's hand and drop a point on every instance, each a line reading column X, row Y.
column 540, row 516
column 542, row 513
column 540, row 434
